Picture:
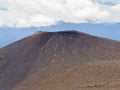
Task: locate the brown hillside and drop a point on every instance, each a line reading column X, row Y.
column 67, row 60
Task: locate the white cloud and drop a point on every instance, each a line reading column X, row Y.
column 25, row 13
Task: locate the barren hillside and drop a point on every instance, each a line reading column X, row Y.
column 67, row 60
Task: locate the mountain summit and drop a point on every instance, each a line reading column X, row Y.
column 66, row 60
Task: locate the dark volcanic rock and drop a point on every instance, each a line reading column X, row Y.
column 67, row 60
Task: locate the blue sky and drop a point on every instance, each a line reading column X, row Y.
column 3, row 9
column 107, row 2
column 21, row 18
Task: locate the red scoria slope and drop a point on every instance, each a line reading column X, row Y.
column 67, row 60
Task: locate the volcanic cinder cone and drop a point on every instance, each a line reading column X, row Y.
column 67, row 60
